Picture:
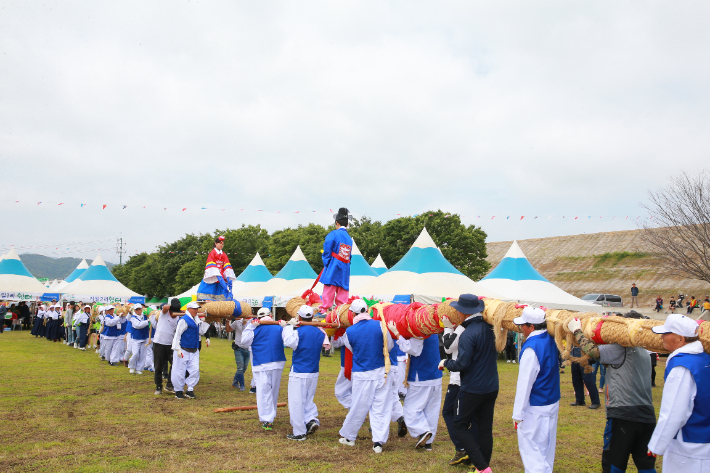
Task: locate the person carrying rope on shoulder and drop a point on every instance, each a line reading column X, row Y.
column 139, row 335
column 268, row 364
column 336, row 261
column 186, row 355
column 537, row 396
column 630, row 414
column 306, row 343
column 682, row 434
column 371, row 393
column 421, row 406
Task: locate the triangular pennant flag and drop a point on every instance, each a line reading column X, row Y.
column 103, row 207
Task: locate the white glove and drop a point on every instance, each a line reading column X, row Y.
column 208, row 341
column 282, row 323
column 293, row 321
column 447, row 323
column 179, row 352
column 574, row 325
column 441, row 365
column 393, row 328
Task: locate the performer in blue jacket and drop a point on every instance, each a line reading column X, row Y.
column 267, row 365
column 537, row 396
column 371, row 390
column 423, row 401
column 336, row 261
column 306, row 343
column 186, row 353
column 139, row 334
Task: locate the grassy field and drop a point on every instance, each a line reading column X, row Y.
column 64, row 410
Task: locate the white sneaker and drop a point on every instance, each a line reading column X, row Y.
column 377, row 447
column 508, row 361
column 76, row 345
column 96, row 351
column 82, row 349
column 349, row 443
column 139, row 372
column 513, row 361
column 131, row 371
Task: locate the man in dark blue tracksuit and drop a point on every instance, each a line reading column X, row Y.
column 476, row 363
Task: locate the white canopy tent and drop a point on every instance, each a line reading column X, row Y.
column 97, row 284
column 16, row 282
column 76, row 274
column 294, row 278
column 379, row 265
column 519, row 281
column 422, row 275
column 360, row 272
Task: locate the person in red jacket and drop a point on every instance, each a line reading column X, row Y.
column 217, row 282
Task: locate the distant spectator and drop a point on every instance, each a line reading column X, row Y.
column 24, row 314
column 634, row 295
column 692, row 304
column 671, row 305
column 705, row 314
column 659, row 304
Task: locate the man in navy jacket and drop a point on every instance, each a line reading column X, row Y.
column 476, row 362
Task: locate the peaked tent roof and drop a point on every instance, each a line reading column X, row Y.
column 53, row 284
column 297, row 275
column 98, row 281
column 360, row 271
column 15, row 278
column 253, row 275
column 76, row 274
column 518, row 280
column 425, row 274
column 379, row 265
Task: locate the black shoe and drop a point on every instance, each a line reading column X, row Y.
column 169, row 388
column 377, row 447
column 103, row 359
column 401, row 397
column 578, row 404
column 401, row 427
column 190, row 394
column 459, row 457
column 653, row 385
column 158, row 391
column 594, row 406
column 112, row 364
column 428, row 448
column 300, row 438
column 179, row 395
column 421, row 440
column 311, row 427
column 252, row 390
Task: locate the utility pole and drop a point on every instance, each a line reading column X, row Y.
column 120, row 250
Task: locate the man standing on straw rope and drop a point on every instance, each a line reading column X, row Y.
column 479, row 382
column 268, row 363
column 682, row 435
column 306, row 343
column 186, row 356
column 421, row 406
column 371, row 393
column 216, row 284
column 336, row 261
column 537, row 396
column 630, row 414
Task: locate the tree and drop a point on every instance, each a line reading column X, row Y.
column 368, row 237
column 284, row 242
column 679, row 227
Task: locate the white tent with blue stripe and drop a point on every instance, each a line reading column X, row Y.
column 518, row 280
column 78, row 271
column 360, row 272
column 253, row 276
column 16, row 282
column 379, row 265
column 97, row 284
column 294, row 278
column 422, row 275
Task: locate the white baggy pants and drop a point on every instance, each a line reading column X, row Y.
column 108, row 344
column 343, row 389
column 140, row 351
column 117, row 350
column 537, row 439
column 149, row 356
column 401, row 367
column 675, row 463
column 397, row 410
column 421, row 409
column 268, row 384
column 190, row 362
column 252, row 384
column 369, row 397
column 129, row 347
column 301, row 407
column 102, row 345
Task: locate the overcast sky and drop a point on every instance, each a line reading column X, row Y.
column 544, row 109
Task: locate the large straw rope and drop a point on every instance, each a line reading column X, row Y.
column 219, row 309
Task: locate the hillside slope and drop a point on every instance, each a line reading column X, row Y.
column 52, row 268
column 601, row 262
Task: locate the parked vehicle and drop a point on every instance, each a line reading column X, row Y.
column 604, row 300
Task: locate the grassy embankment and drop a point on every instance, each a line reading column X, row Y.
column 63, row 410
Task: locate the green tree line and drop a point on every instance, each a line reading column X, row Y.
column 179, row 265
